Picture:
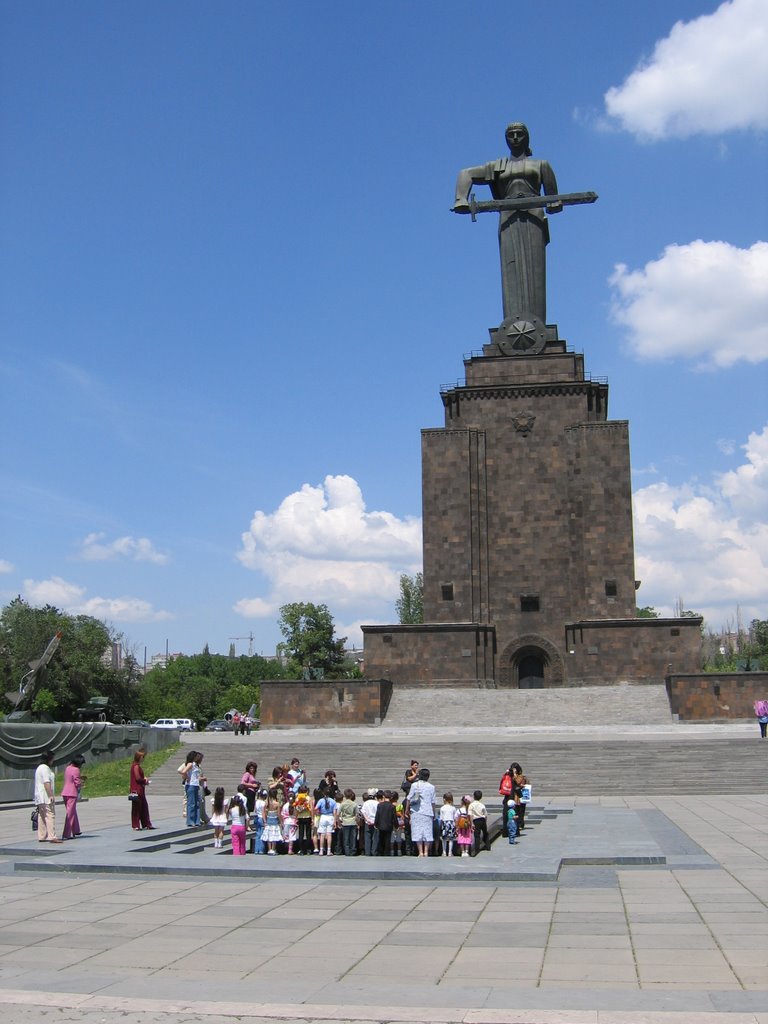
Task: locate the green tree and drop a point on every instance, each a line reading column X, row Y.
column 648, row 612
column 410, row 604
column 203, row 686
column 44, row 703
column 77, row 671
column 241, row 696
column 758, row 634
column 309, row 639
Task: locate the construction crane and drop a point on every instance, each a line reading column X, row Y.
column 249, row 638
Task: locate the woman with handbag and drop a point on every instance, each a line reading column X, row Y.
column 138, row 793
column 421, row 807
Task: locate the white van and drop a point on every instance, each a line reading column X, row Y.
column 186, row 724
column 166, row 723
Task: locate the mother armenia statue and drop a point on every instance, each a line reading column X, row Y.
column 516, row 183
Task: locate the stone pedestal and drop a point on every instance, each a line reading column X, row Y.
column 528, row 546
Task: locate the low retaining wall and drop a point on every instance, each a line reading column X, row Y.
column 435, row 654
column 23, row 744
column 707, row 697
column 323, row 702
column 603, row 652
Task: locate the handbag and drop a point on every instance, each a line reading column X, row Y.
column 34, row 819
column 132, row 797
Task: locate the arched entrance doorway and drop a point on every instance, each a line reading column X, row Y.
column 530, row 671
column 530, row 663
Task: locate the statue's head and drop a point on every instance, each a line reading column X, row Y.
column 518, row 138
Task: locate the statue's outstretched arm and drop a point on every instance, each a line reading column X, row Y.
column 549, row 184
column 467, row 178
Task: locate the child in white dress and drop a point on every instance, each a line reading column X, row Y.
column 290, row 823
column 218, row 817
column 448, row 824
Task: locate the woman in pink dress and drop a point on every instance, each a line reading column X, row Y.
column 69, row 793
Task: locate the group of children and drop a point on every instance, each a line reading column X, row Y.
column 285, row 816
column 465, row 825
column 331, row 822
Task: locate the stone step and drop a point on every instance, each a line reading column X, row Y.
column 412, row 707
column 568, row 766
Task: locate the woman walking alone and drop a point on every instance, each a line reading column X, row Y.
column 138, row 791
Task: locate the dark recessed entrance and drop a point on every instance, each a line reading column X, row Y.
column 530, row 672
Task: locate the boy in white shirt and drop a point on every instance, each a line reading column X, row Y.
column 479, row 816
column 368, row 813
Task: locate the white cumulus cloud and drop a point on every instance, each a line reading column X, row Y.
column 122, row 609
column 707, row 543
column 70, row 597
column 707, row 76
column 55, row 591
column 138, row 549
column 706, row 301
column 6, row 566
column 322, row 545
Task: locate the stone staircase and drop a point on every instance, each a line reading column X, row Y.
column 558, row 766
column 413, row 707
column 453, row 732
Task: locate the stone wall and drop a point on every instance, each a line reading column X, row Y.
column 704, row 697
column 608, row 651
column 323, row 702
column 435, row 654
column 22, row 745
column 527, row 511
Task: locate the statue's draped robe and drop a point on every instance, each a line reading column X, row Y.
column 523, row 234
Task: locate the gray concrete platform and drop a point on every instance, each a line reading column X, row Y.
column 558, row 832
column 636, row 908
column 654, row 912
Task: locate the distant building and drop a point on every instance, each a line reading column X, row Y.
column 113, row 656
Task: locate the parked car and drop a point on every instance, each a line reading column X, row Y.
column 186, row 724
column 141, row 723
column 166, row 723
column 219, row 725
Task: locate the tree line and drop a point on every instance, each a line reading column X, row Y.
column 199, row 686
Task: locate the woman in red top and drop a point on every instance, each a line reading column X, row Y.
column 139, row 783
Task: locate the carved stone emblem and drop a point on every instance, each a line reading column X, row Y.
column 521, row 335
column 523, row 423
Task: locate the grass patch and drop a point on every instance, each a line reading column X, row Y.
column 114, row 778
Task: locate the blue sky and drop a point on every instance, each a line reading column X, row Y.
column 231, row 288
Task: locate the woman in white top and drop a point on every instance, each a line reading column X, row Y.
column 421, row 807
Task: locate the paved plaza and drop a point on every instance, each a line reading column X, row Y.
column 609, row 911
